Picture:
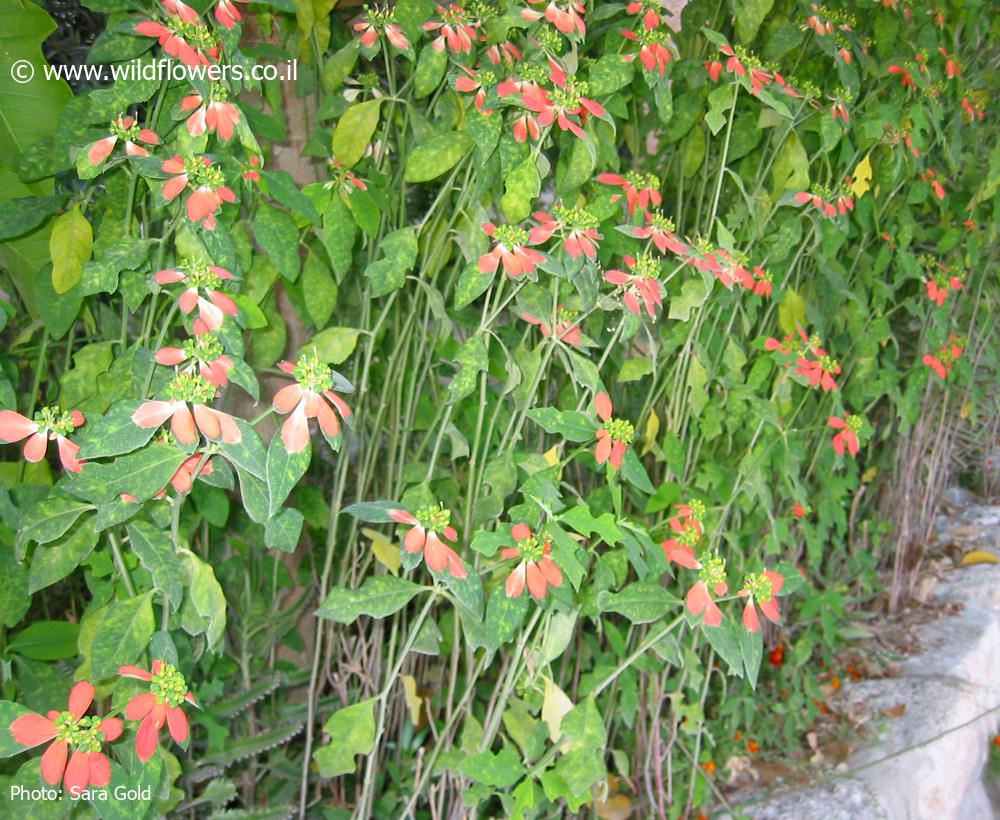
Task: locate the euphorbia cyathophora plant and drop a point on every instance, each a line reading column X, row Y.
column 435, row 417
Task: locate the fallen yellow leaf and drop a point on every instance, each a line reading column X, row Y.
column 552, row 456
column 979, row 557
column 862, row 177
column 386, row 552
column 966, row 410
column 413, row 700
column 652, row 428
column 618, row 807
column 555, row 704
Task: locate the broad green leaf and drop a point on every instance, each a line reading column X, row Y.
column 468, row 591
column 504, row 617
column 570, row 424
column 521, row 188
column 485, row 132
column 693, row 294
column 282, row 187
column 501, row 770
column 752, row 649
column 472, row 360
column 152, row 546
column 725, row 640
column 378, row 597
column 276, row 233
column 352, row 733
column 635, row 368
column 399, row 250
column 641, row 602
column 333, row 345
column 320, row 288
column 18, row 216
column 114, row 433
column 282, row 531
column 610, row 73
column 354, row 131
column 123, row 635
column 790, row 171
column 70, row 245
column 583, row 764
column 53, row 562
column 635, row 473
column 791, row 312
column 45, row 641
column 752, row 14
column 581, row 520
column 141, row 474
column 49, row 518
column 431, row 65
column 374, row 512
column 429, row 159
column 339, row 232
column 253, row 491
column 9, row 712
column 248, row 453
column 471, row 285
column 14, row 597
column 204, row 610
column 283, row 471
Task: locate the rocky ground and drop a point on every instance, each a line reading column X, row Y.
column 927, row 729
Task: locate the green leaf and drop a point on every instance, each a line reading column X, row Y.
column 725, row 640
column 752, row 649
column 583, row 764
column 521, row 188
column 352, row 733
column 790, row 171
column 45, row 641
column 141, row 474
column 333, row 345
column 485, row 132
column 9, row 712
column 253, row 490
column 248, row 453
column 752, row 14
column 320, row 288
column 276, row 233
column 282, row 532
column 572, row 425
column 378, row 597
column 354, row 131
column 14, row 597
column 504, row 617
column 635, row 368
column 472, row 360
column 693, row 294
column 152, row 546
column 339, row 232
column 53, row 563
column 581, row 520
column 114, row 433
column 791, row 312
column 501, row 770
column 431, row 65
column 283, row 471
column 50, row 517
column 428, row 160
column 471, row 285
column 123, row 635
column 635, row 474
column 70, row 245
column 282, row 187
column 374, row 512
column 610, row 73
column 204, row 610
column 399, row 250
column 641, row 602
column 18, row 216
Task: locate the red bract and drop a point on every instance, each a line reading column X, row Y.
column 849, row 427
column 614, row 436
column 565, row 105
column 510, row 249
column 686, row 525
column 343, row 178
column 566, row 330
column 455, row 28
column 819, row 371
column 215, row 115
column 183, row 35
column 203, row 350
column 650, row 11
column 640, row 189
column 128, row 131
column 640, row 284
column 939, row 286
column 576, row 226
column 660, row 229
column 202, row 283
column 567, row 17
column 423, row 536
column 206, row 183
column 536, row 567
column 161, row 704
column 930, row 175
column 478, row 81
column 654, row 51
column 828, row 209
column 904, row 76
column 945, row 359
column 186, row 388
column 762, row 285
column 227, row 13
column 311, row 397
column 505, row 52
column 381, row 21
column 50, row 424
column 761, row 588
column 711, row 580
column 71, row 729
